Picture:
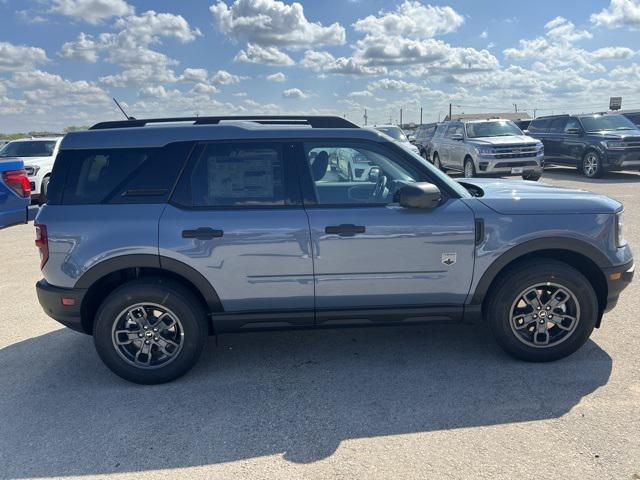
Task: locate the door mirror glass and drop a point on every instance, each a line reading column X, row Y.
column 419, row 195
column 457, row 136
column 574, row 131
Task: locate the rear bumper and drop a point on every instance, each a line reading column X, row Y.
column 618, row 278
column 50, row 298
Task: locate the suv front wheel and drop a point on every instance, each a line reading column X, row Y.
column 469, row 168
column 150, row 330
column 542, row 310
column 592, row 165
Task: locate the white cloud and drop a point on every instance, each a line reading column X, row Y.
column 92, row 11
column 20, row 57
column 222, row 77
column 324, row 62
column 411, row 19
column 273, row 23
column 204, row 88
column 150, row 26
column 563, row 30
column 195, row 75
column 264, row 55
column 360, row 93
column 612, row 53
column 484, row 34
column 619, row 13
column 83, row 48
column 277, row 77
column 294, row 93
column 396, row 85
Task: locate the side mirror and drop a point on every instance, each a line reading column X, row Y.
column 574, row 131
column 411, row 137
column 525, row 131
column 457, row 136
column 418, row 195
column 374, row 175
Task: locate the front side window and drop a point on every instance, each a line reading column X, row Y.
column 497, row 128
column 35, row 148
column 596, row 123
column 454, row 129
column 557, row 125
column 345, row 174
column 572, row 126
column 234, row 174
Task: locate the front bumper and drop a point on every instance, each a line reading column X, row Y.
column 505, row 166
column 51, row 298
column 618, row 278
column 622, row 159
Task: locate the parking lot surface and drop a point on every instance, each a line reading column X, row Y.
column 414, row 402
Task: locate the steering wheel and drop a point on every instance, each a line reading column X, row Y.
column 378, row 192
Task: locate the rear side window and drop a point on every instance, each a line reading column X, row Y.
column 28, row 148
column 234, row 175
column 117, row 175
column 539, row 126
column 557, row 125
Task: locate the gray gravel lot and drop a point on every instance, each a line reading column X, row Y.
column 438, row 402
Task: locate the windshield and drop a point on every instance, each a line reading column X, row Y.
column 394, row 132
column 36, row 148
column 499, row 128
column 596, row 123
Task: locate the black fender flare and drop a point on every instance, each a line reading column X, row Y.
column 539, row 244
column 176, row 267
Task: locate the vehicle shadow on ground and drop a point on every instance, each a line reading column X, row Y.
column 298, row 394
column 568, row 173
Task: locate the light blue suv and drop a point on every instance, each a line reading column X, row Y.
column 157, row 233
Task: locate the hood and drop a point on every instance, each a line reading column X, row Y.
column 28, row 160
column 510, row 140
column 511, row 197
column 628, row 135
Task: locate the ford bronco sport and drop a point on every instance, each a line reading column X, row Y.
column 156, row 234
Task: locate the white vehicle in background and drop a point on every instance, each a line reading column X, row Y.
column 38, row 155
column 398, row 136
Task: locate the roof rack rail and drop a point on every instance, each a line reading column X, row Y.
column 312, row 121
column 552, row 116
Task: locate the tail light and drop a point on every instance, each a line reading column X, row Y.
column 42, row 242
column 18, row 181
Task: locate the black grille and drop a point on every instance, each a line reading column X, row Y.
column 516, row 164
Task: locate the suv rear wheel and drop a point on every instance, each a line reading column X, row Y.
column 150, row 330
column 542, row 310
column 592, row 165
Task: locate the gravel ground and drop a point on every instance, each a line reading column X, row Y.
column 416, row 402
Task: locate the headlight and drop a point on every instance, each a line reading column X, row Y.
column 482, row 151
column 540, row 149
column 31, row 170
column 613, row 144
column 620, row 241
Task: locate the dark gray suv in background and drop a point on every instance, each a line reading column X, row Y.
column 594, row 144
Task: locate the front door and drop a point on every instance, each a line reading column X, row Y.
column 236, row 218
column 370, row 253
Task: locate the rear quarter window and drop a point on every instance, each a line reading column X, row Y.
column 117, row 175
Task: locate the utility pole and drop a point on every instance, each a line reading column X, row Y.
column 449, row 111
column 420, row 115
column 400, row 118
column 365, row 116
column 515, row 105
column 534, row 112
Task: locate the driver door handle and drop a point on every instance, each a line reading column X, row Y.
column 202, row 233
column 345, row 229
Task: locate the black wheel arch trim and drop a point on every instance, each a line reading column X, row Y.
column 171, row 265
column 540, row 244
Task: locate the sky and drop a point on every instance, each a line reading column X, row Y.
column 62, row 61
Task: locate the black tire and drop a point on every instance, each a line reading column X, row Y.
column 591, row 165
column 534, row 177
column 43, row 191
column 505, row 294
column 469, row 169
column 436, row 161
column 168, row 295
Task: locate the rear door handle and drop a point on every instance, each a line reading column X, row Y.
column 345, row 229
column 202, row 233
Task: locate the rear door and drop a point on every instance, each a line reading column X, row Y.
column 369, row 253
column 572, row 143
column 236, row 217
column 554, row 138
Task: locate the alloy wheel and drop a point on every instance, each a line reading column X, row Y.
column 468, row 169
column 544, row 315
column 147, row 335
column 591, row 165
